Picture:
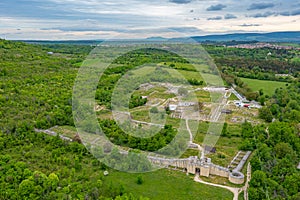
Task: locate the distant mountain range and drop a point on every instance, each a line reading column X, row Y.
column 287, row 36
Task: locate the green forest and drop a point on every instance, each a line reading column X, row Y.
column 36, row 93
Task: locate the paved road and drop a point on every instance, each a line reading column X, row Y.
column 240, row 97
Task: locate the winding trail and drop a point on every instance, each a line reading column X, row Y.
column 199, row 147
column 234, row 190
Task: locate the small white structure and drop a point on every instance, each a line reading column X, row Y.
column 50, row 53
column 105, row 173
column 172, row 107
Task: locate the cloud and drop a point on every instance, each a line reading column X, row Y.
column 290, row 13
column 249, row 25
column 230, row 16
column 83, row 29
column 283, row 13
column 260, row 15
column 186, row 29
column 215, row 18
column 216, row 7
column 260, row 6
column 180, row 1
column 133, row 18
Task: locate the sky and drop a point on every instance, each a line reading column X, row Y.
column 112, row 19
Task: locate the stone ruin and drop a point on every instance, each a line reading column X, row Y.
column 204, row 167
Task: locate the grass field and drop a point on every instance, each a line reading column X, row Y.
column 268, row 87
column 167, row 184
column 226, row 147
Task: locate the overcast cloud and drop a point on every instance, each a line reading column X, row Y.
column 100, row 19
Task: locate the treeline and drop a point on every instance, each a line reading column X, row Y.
column 284, row 105
column 241, row 87
column 258, row 73
column 267, row 65
column 274, row 164
column 260, row 63
column 113, row 131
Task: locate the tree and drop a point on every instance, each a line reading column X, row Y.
column 26, row 187
column 292, row 184
column 282, row 150
column 52, row 181
column 265, row 113
column 258, row 179
column 247, row 130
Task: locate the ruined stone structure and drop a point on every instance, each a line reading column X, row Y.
column 204, row 167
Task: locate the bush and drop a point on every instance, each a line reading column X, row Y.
column 140, row 180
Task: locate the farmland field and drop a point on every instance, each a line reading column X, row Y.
column 268, row 87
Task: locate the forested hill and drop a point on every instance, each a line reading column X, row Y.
column 35, row 87
column 35, row 91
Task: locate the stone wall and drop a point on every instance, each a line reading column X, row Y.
column 219, row 171
column 205, row 168
column 236, row 177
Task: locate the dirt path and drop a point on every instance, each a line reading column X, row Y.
column 247, row 182
column 234, row 190
column 52, row 133
column 200, row 148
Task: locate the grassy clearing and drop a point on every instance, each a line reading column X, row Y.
column 268, row 87
column 68, row 131
column 190, row 152
column 232, row 97
column 167, row 184
column 143, row 70
column 203, row 96
column 212, row 79
column 141, row 115
column 226, row 147
column 224, row 154
column 220, row 180
column 183, row 74
column 234, row 129
column 241, row 196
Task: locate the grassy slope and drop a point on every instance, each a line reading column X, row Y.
column 268, row 86
column 167, row 184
